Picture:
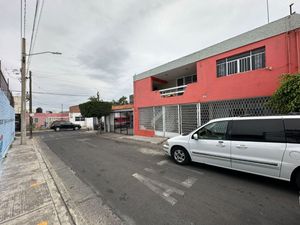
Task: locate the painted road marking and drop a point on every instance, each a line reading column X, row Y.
column 163, row 162
column 188, row 183
column 149, row 170
column 163, row 190
column 149, row 151
column 86, row 141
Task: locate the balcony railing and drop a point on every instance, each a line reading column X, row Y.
column 174, row 91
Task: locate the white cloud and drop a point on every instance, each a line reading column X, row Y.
column 104, row 43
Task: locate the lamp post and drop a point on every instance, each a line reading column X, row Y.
column 23, row 87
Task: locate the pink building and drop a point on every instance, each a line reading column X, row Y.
column 44, row 120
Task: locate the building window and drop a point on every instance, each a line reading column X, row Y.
column 187, row 80
column 251, row 60
column 79, row 118
column 36, row 120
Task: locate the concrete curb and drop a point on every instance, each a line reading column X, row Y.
column 84, row 205
column 125, row 139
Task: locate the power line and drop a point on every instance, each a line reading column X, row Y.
column 59, row 94
column 33, row 28
column 24, row 20
column 21, row 17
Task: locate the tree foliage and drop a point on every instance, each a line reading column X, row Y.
column 121, row 101
column 39, row 110
column 287, row 97
column 95, row 108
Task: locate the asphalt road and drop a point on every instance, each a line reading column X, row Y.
column 144, row 186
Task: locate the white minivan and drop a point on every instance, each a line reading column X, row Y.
column 266, row 145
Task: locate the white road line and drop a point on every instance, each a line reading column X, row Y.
column 149, row 151
column 160, row 163
column 189, row 182
column 90, row 144
column 149, row 170
column 163, row 190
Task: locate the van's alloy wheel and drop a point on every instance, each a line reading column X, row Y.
column 57, row 129
column 180, row 156
column 76, row 128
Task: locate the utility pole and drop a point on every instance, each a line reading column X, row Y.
column 98, row 96
column 62, row 108
column 23, row 92
column 30, row 104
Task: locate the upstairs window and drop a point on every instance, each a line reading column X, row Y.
column 186, row 80
column 246, row 61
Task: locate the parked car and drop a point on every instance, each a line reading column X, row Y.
column 268, row 146
column 64, row 125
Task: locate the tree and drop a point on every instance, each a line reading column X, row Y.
column 95, row 108
column 287, row 97
column 121, row 101
column 39, row 110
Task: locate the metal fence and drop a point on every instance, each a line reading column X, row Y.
column 178, row 119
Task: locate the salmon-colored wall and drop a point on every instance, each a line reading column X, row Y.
column 282, row 56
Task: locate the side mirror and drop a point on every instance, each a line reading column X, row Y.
column 195, row 136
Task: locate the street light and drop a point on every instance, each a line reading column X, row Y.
column 23, row 87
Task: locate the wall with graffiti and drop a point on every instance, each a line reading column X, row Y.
column 7, row 124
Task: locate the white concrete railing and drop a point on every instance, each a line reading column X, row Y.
column 173, row 91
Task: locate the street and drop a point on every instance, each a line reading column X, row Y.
column 144, row 186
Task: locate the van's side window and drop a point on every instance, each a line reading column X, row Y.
column 213, row 131
column 264, row 130
column 292, row 130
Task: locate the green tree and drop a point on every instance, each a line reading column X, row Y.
column 287, row 97
column 121, row 101
column 95, row 108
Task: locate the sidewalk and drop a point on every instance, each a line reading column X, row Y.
column 28, row 194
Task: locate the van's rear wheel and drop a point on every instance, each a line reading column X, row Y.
column 180, row 155
column 57, row 128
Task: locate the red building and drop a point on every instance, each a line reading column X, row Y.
column 232, row 78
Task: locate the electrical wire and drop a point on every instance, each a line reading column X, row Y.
column 59, row 94
column 38, row 24
column 24, row 20
column 37, row 17
column 33, row 27
column 21, row 17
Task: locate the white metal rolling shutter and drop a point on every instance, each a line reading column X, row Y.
column 158, row 118
column 145, row 118
column 188, row 117
column 171, row 119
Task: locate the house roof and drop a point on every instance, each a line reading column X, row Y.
column 277, row 27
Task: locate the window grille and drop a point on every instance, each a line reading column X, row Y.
column 243, row 62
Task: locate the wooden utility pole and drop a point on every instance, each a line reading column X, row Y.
column 30, row 104
column 23, row 92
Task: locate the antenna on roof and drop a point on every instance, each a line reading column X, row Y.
column 291, row 9
column 268, row 15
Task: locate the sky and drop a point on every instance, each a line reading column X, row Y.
column 105, row 43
